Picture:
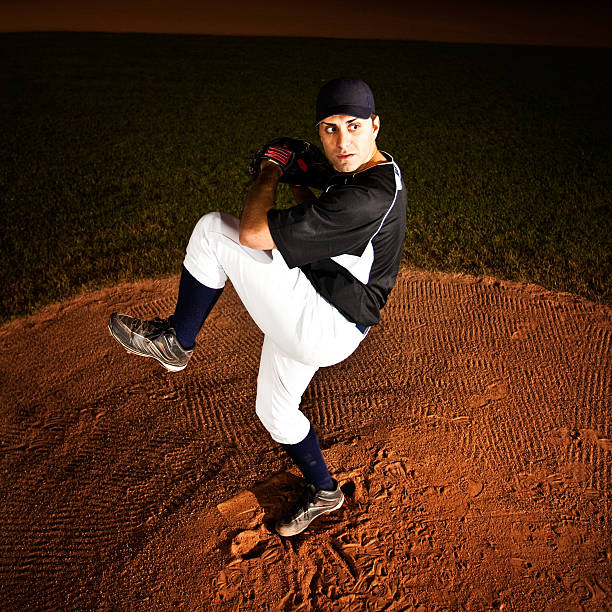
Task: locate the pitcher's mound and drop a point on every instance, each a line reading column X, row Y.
column 470, row 433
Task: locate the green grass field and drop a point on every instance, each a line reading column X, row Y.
column 114, row 145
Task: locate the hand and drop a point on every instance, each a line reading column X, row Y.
column 300, row 162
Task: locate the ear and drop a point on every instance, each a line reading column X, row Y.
column 376, row 126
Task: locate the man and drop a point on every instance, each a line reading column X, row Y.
column 313, row 278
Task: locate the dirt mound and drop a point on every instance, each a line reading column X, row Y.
column 470, row 432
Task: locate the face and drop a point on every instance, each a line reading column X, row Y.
column 349, row 142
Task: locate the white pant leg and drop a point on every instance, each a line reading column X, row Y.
column 302, row 331
column 280, row 385
column 282, row 301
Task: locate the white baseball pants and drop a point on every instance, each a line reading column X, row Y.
column 302, row 332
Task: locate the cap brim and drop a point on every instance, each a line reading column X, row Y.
column 362, row 112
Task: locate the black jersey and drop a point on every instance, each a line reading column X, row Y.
column 348, row 242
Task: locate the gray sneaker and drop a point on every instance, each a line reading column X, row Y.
column 155, row 338
column 311, row 504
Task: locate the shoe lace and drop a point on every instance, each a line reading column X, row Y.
column 154, row 327
column 303, row 503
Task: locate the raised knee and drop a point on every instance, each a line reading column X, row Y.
column 213, row 223
column 206, row 222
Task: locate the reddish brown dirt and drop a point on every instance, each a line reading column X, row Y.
column 470, row 432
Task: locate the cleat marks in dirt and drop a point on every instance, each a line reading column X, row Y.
column 470, row 433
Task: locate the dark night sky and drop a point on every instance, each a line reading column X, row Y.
column 518, row 22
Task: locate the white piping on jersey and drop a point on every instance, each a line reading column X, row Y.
column 360, row 266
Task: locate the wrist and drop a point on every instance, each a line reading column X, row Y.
column 270, row 168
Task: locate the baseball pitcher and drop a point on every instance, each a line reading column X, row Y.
column 313, row 277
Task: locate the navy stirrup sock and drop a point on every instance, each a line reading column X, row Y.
column 194, row 303
column 307, row 456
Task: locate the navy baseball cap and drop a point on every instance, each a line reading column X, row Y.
column 345, row 96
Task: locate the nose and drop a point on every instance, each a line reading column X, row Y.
column 343, row 138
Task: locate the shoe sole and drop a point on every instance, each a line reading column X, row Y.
column 133, row 351
column 303, row 528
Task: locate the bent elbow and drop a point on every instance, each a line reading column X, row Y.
column 246, row 238
column 255, row 238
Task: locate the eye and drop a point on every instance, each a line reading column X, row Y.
column 355, row 126
column 330, row 129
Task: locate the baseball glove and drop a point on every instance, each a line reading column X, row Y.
column 302, row 162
